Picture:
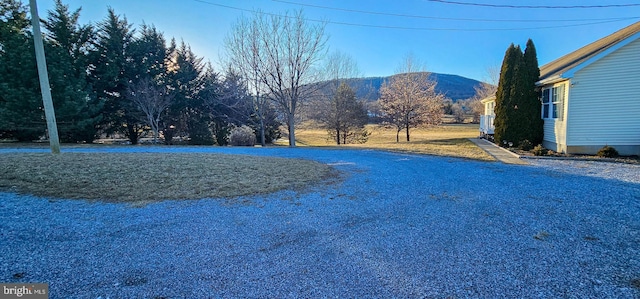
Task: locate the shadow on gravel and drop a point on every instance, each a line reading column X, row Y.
column 398, row 225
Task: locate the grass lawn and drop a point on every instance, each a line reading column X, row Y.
column 144, row 177
column 445, row 140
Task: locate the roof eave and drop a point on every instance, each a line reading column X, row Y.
column 552, row 80
column 488, row 99
column 569, row 72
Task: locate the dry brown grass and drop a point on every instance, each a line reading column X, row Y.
column 446, row 140
column 144, row 177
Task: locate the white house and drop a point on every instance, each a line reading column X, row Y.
column 486, row 120
column 591, row 97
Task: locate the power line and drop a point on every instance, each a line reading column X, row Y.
column 419, row 28
column 438, row 18
column 537, row 6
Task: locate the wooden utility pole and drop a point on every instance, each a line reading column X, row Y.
column 45, row 88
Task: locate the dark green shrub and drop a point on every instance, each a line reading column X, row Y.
column 242, row 136
column 538, row 150
column 607, row 152
column 199, row 132
column 525, row 145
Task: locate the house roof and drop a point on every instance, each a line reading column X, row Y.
column 488, row 99
column 567, row 62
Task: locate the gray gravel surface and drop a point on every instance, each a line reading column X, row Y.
column 396, row 226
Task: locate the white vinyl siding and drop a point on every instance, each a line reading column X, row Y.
column 605, row 100
column 555, row 129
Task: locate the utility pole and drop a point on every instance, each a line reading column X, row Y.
column 45, row 87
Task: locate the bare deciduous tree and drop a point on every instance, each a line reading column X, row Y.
column 409, row 98
column 243, row 46
column 483, row 91
column 338, row 68
column 458, row 111
column 151, row 100
column 277, row 53
column 336, row 107
column 344, row 117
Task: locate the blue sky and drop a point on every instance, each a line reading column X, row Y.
column 460, row 39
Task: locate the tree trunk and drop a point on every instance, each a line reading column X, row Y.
column 338, row 136
column 263, row 141
column 292, row 130
column 398, row 135
column 260, row 110
column 407, row 133
column 133, row 135
column 154, row 128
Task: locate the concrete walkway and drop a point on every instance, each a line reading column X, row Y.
column 501, row 154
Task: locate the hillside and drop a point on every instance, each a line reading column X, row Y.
column 452, row 86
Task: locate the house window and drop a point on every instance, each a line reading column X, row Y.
column 552, row 100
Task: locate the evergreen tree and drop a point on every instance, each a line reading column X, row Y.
column 224, row 102
column 111, row 72
column 506, row 121
column 149, row 54
column 68, row 47
column 231, row 105
column 149, row 93
column 517, row 104
column 188, row 111
column 21, row 112
column 531, row 107
column 267, row 119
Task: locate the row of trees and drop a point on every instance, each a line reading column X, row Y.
column 280, row 55
column 407, row 100
column 110, row 78
column 518, row 109
column 113, row 79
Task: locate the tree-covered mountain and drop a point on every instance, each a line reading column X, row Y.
column 452, row 86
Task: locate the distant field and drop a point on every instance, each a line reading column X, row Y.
column 445, row 140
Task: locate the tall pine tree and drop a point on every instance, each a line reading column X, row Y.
column 506, row 96
column 517, row 104
column 21, row 112
column 78, row 111
column 189, row 110
column 112, row 73
column 149, row 93
column 530, row 106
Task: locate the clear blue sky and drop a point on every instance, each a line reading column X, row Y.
column 381, row 32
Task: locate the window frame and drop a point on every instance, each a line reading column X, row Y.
column 552, row 100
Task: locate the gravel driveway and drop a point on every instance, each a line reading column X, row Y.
column 396, row 226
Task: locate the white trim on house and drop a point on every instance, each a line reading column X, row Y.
column 551, row 80
column 554, row 98
column 602, row 105
column 571, row 72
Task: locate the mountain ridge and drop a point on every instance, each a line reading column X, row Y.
column 454, row 87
